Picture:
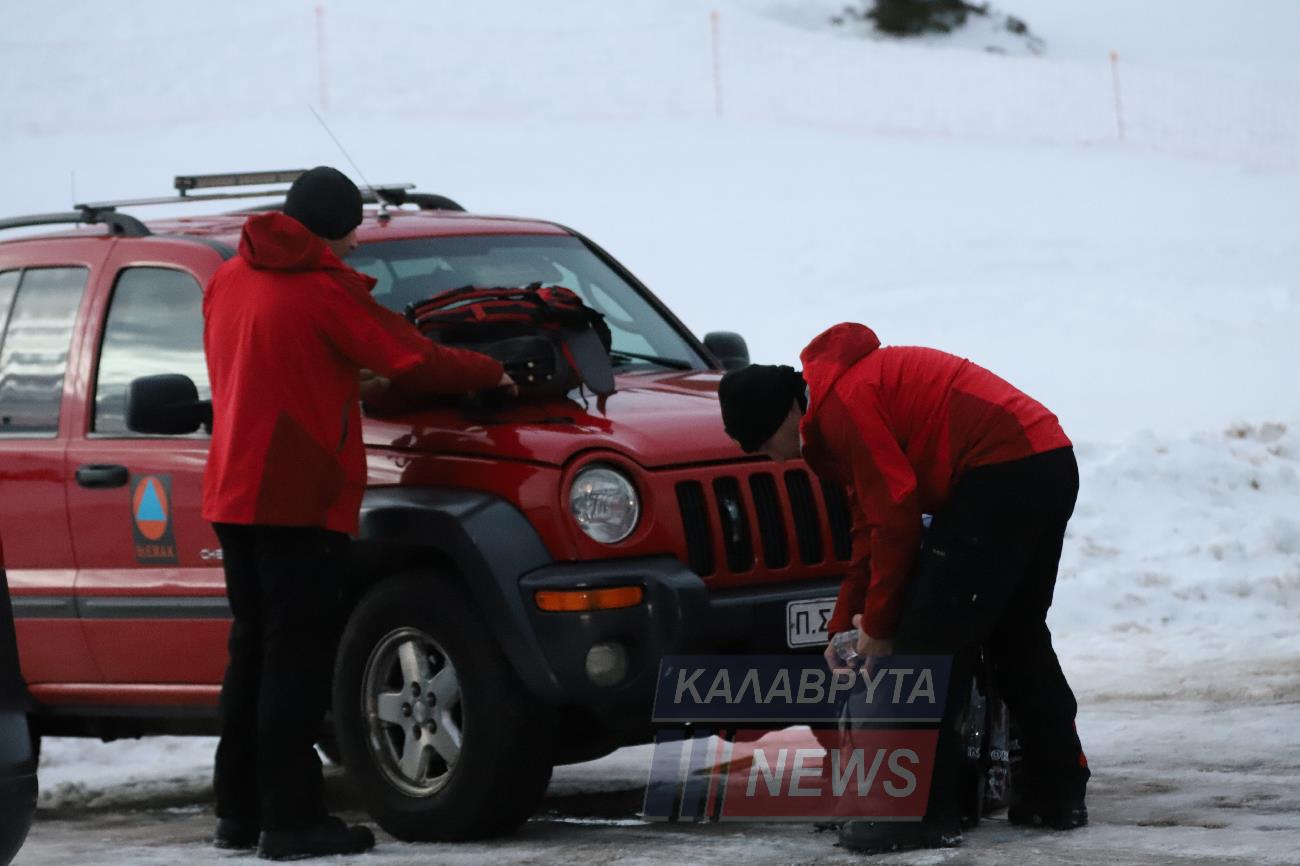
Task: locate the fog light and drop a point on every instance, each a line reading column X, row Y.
column 607, row 663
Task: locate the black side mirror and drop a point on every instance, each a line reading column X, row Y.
column 729, row 348
column 167, row 405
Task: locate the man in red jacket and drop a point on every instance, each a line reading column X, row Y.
column 288, row 329
column 912, row 431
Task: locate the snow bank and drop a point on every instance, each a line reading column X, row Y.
column 1181, row 572
column 88, row 774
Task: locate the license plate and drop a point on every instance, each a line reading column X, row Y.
column 805, row 621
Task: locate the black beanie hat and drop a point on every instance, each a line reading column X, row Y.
column 756, row 399
column 325, row 201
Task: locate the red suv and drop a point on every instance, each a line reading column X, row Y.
column 519, row 571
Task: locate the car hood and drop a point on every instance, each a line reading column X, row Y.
column 656, row 419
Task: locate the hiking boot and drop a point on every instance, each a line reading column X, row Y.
column 330, row 836
column 236, row 835
column 878, row 837
column 1058, row 815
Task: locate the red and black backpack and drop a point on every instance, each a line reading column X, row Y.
column 548, row 340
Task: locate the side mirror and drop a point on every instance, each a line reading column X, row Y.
column 167, row 405
column 729, row 348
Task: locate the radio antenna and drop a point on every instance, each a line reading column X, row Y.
column 339, row 145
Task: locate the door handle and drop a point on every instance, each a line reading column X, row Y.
column 103, row 475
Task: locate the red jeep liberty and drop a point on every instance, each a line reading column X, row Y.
column 519, row 571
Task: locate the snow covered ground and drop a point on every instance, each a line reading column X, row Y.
column 1148, row 290
column 1190, row 783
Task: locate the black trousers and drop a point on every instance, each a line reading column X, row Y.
column 985, row 578
column 284, row 585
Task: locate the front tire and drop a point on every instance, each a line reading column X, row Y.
column 434, row 728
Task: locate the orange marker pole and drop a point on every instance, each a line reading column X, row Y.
column 320, row 56
column 1119, row 107
column 717, row 62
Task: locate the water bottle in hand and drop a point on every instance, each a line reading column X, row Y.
column 845, row 646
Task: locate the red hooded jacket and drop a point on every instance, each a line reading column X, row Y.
column 287, row 329
column 899, row 426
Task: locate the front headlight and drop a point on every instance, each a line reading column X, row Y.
column 604, row 503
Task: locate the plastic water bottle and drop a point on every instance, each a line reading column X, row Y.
column 845, row 646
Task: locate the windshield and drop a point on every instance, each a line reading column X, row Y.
column 414, row 270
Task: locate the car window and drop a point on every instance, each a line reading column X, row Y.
column 34, row 354
column 623, row 331
column 154, row 325
column 413, row 270
column 8, row 288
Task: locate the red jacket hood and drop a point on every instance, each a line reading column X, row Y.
column 274, row 242
column 830, row 354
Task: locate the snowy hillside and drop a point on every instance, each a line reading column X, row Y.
column 1148, row 290
column 944, row 196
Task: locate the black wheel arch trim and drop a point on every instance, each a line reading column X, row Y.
column 490, row 542
column 14, row 697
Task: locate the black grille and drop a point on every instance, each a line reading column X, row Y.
column 767, row 508
column 803, row 507
column 735, row 525
column 837, row 508
column 809, row 509
column 695, row 526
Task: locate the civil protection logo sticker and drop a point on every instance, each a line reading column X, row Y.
column 151, row 519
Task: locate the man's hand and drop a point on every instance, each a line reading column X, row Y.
column 373, row 386
column 508, row 385
column 833, row 660
column 871, row 648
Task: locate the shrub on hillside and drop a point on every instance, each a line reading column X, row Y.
column 917, row 17
column 913, row 17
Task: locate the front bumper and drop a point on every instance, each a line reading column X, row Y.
column 679, row 615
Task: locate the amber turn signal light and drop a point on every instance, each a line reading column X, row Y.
column 570, row 600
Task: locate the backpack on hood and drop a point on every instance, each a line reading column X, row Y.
column 547, row 339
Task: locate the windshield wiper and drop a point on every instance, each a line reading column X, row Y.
column 671, row 363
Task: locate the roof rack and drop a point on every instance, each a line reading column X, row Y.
column 380, row 193
column 119, row 224
column 386, row 196
column 186, row 182
column 123, row 225
column 391, row 195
